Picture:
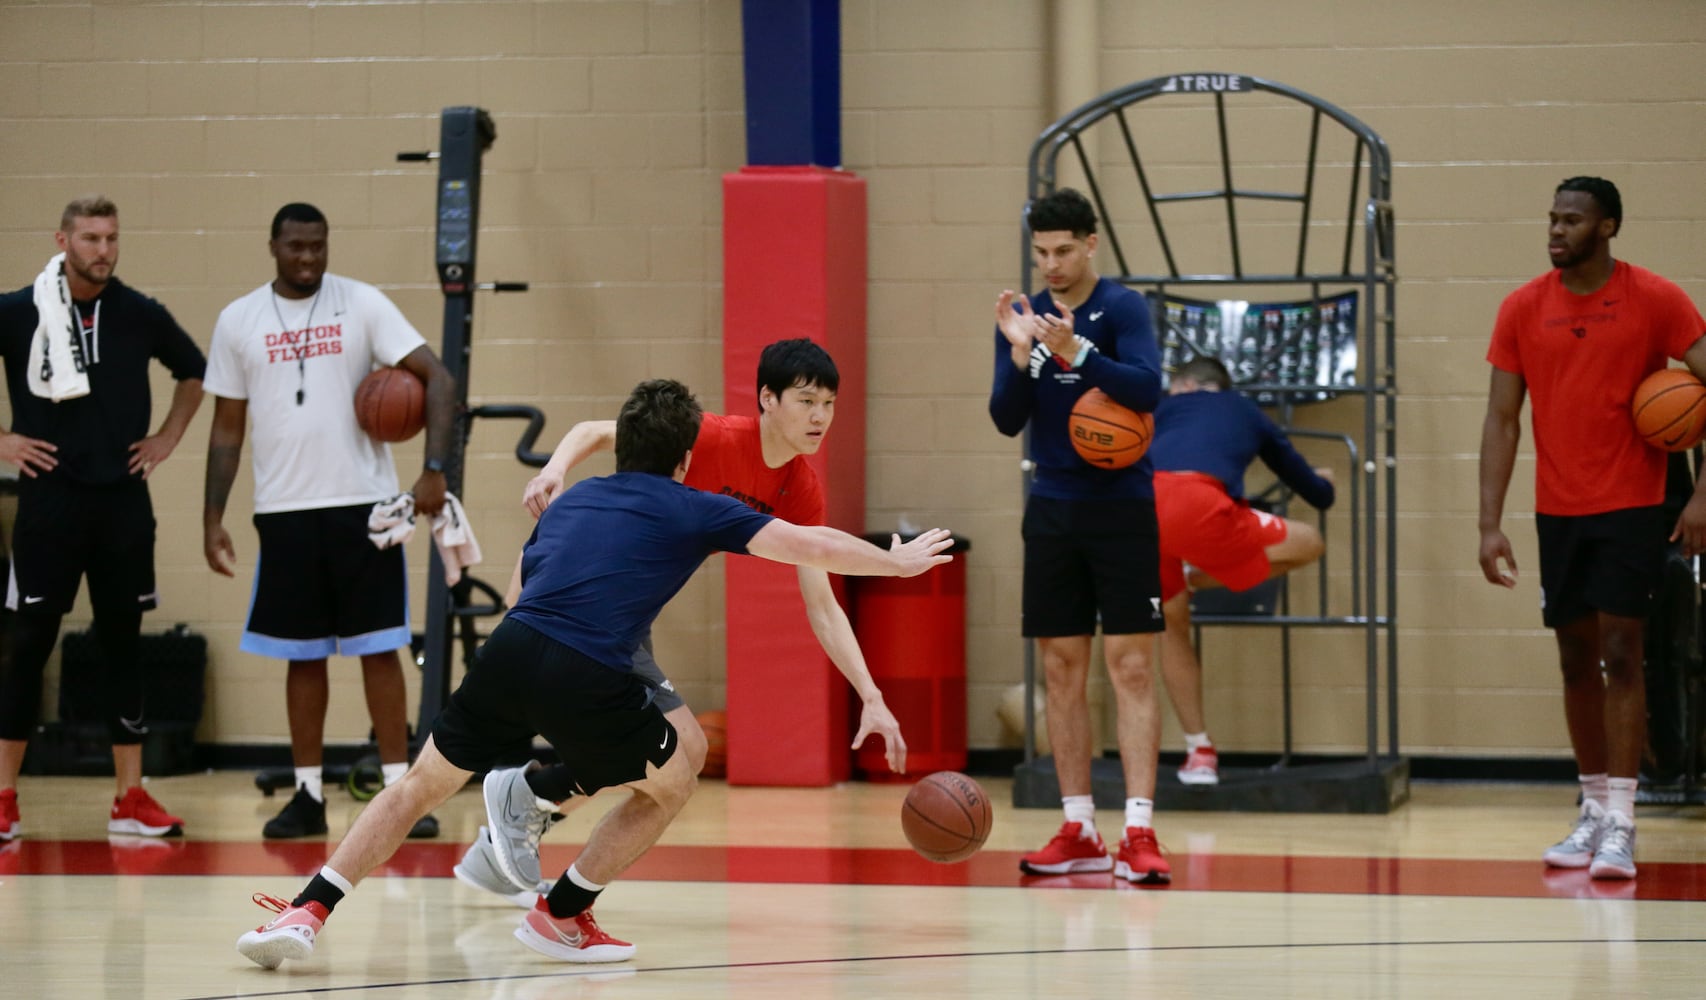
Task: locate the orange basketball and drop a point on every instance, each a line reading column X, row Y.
column 715, row 723
column 390, row 404
column 946, row 817
column 1670, row 409
column 1106, row 434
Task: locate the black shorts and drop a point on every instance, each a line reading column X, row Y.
column 1090, row 558
column 1611, row 562
column 604, row 723
column 65, row 531
column 322, row 588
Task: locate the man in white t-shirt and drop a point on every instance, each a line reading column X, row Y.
column 286, row 358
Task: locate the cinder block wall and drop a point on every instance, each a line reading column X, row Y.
column 616, row 120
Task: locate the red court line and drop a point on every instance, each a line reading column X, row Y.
column 874, row 866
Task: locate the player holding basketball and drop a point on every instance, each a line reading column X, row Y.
column 1580, row 338
column 602, row 562
column 77, row 345
column 1090, row 536
column 760, row 460
column 289, row 355
column 1206, row 435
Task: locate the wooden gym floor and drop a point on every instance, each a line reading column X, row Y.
column 806, row 893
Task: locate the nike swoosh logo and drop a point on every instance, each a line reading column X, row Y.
column 34, row 600
column 665, row 741
column 1096, row 315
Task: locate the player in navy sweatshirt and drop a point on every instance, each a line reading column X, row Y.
column 1206, row 435
column 1091, row 551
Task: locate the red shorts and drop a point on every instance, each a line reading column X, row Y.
column 1203, row 526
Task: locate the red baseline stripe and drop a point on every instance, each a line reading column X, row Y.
column 875, row 866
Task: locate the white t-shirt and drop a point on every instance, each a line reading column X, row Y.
column 309, row 452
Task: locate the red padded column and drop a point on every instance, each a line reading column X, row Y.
column 793, row 266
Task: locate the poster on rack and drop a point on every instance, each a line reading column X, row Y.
column 1300, row 351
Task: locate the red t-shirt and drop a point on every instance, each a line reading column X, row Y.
column 1582, row 357
column 728, row 458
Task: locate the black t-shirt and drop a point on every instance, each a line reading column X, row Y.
column 94, row 433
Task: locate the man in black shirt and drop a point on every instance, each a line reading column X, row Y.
column 76, row 345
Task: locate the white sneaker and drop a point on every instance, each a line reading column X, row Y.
column 1615, row 856
column 479, row 869
column 516, row 823
column 1577, row 850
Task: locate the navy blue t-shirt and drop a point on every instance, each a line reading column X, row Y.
column 1125, row 365
column 1219, row 433
column 610, row 552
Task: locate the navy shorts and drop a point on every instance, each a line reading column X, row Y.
column 65, row 531
column 604, row 723
column 1090, row 559
column 322, row 588
column 1611, row 562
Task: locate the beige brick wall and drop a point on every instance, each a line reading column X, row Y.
column 616, row 120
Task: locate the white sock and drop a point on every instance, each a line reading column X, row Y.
column 1140, row 813
column 333, row 877
column 394, row 772
column 1081, row 809
column 1197, row 741
column 1593, row 788
column 310, row 778
column 1620, row 798
column 574, row 875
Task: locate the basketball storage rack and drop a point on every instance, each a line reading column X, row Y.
column 1279, row 261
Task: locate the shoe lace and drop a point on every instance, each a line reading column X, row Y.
column 1616, row 839
column 1144, row 837
column 1069, row 834
column 1583, row 835
column 272, row 903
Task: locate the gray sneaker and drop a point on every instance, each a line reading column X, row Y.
column 517, row 823
column 1615, row 856
column 1577, row 850
column 479, row 869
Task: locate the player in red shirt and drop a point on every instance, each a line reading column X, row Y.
column 760, row 461
column 1579, row 339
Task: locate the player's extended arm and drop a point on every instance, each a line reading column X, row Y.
column 582, row 440
column 838, row 552
column 1691, row 526
column 1499, row 436
column 835, row 634
column 224, row 450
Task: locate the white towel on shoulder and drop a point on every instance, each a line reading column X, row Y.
column 392, row 522
column 56, row 351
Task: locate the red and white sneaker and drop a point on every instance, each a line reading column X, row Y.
column 288, row 935
column 1140, row 858
column 9, row 825
column 572, row 939
column 1201, row 767
column 137, row 813
column 1069, row 851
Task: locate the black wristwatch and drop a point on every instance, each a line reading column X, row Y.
column 435, row 465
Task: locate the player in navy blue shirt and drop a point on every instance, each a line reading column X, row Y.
column 1206, row 435
column 602, row 562
column 1090, row 539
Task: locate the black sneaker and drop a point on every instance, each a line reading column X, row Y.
column 425, row 828
column 302, row 816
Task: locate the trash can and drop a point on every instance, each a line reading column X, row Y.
column 913, row 634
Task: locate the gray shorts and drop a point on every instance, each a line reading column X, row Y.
column 647, row 669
